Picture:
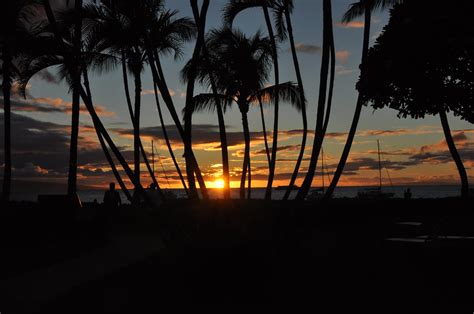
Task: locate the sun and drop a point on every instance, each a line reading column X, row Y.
column 219, row 184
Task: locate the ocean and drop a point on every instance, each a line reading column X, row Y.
column 418, row 191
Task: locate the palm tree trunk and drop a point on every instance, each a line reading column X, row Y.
column 331, row 83
column 303, row 108
column 199, row 19
column 87, row 99
column 318, row 135
column 6, row 87
column 358, row 110
column 246, row 162
column 264, row 131
column 157, row 73
column 455, row 154
column 136, row 128
column 103, row 145
column 224, row 151
column 132, row 118
column 168, row 143
column 72, row 174
column 271, row 174
column 113, row 167
column 220, row 114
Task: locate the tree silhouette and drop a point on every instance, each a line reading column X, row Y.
column 357, row 9
column 324, row 99
column 423, row 64
column 15, row 33
column 119, row 28
column 240, row 67
column 233, row 8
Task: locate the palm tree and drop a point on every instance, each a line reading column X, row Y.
column 115, row 29
column 230, row 12
column 201, row 49
column 57, row 50
column 77, row 46
column 15, row 32
column 240, row 67
column 365, row 8
column 157, row 42
column 328, row 43
column 285, row 8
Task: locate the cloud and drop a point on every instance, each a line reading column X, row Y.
column 343, row 55
column 263, row 152
column 306, row 48
column 342, row 70
column 438, row 153
column 41, row 148
column 353, row 24
column 146, row 92
column 51, row 105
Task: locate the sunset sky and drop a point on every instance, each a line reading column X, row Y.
column 414, row 150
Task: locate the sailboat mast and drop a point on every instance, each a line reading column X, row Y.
column 380, row 164
column 153, row 157
column 322, row 167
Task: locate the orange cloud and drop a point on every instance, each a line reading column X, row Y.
column 353, row 24
column 343, row 55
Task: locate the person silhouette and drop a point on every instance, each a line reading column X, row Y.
column 408, row 194
column 112, row 198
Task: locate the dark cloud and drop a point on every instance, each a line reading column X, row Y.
column 49, row 105
column 41, row 148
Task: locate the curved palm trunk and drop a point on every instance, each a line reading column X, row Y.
column 303, row 109
column 88, row 95
column 355, row 119
column 132, row 118
column 113, row 167
column 271, row 174
column 87, row 99
column 168, row 143
column 72, row 173
column 246, row 163
column 200, row 20
column 220, row 114
column 319, row 135
column 455, row 154
column 6, row 87
column 264, row 130
column 331, row 85
column 157, row 73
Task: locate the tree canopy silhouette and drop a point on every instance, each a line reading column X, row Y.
column 423, row 64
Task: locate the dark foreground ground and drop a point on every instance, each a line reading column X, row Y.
column 343, row 256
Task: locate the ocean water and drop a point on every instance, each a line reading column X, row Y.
column 429, row 191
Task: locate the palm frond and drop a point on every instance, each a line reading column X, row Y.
column 356, row 9
column 234, row 7
column 30, row 68
column 288, row 92
column 207, row 102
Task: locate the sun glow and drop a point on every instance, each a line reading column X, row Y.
column 219, row 184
